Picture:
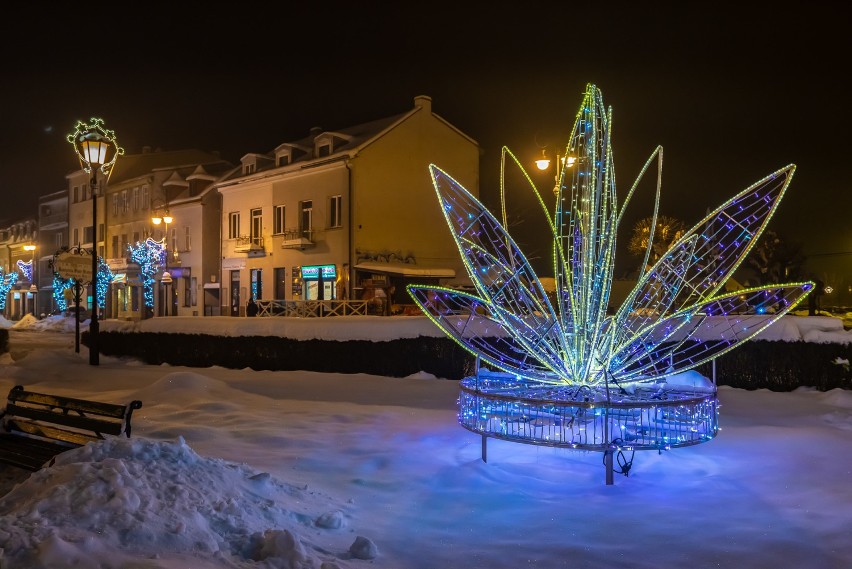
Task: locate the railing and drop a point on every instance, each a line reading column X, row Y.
column 312, row 308
column 245, row 243
column 297, row 239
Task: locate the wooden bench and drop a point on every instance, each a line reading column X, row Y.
column 37, row 427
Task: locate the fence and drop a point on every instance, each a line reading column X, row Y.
column 312, row 308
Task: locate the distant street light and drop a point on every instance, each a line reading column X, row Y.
column 166, row 279
column 33, row 286
column 543, row 163
column 97, row 150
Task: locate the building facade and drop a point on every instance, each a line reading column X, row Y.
column 52, row 239
column 18, row 246
column 342, row 214
column 176, row 188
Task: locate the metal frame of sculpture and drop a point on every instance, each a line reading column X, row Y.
column 563, row 370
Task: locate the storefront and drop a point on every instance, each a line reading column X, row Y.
column 318, row 282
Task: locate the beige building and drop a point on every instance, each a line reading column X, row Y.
column 17, row 257
column 342, row 213
column 140, row 187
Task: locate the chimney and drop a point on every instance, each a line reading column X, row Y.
column 424, row 102
column 316, row 130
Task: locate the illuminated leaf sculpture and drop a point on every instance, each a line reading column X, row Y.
column 567, row 355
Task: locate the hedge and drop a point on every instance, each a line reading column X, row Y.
column 761, row 364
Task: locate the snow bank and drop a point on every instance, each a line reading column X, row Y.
column 141, row 497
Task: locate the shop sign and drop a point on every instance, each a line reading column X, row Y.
column 312, row 272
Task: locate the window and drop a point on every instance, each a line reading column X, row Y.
column 187, row 239
column 135, row 237
column 115, row 204
column 306, row 220
column 249, row 169
column 335, row 208
column 323, row 150
column 124, row 202
column 135, row 199
column 124, row 242
column 278, row 219
column 233, row 225
column 146, row 199
column 58, row 239
column 101, row 232
column 88, row 234
column 115, row 253
column 284, row 159
column 76, row 236
column 173, row 241
column 76, row 194
column 257, row 226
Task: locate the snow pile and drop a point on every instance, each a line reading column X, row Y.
column 141, row 498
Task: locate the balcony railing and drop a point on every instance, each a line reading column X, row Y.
column 247, row 244
column 297, row 239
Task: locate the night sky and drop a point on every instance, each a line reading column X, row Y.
column 732, row 90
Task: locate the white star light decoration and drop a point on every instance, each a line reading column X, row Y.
column 571, row 373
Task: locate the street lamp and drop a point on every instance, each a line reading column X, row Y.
column 166, row 279
column 543, row 163
column 33, row 286
column 97, row 150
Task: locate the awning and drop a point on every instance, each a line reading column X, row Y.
column 407, row 270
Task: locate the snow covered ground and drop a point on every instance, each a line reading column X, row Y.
column 259, row 469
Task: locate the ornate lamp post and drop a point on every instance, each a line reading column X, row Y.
column 33, row 286
column 166, row 279
column 97, row 150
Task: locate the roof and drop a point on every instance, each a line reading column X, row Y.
column 133, row 166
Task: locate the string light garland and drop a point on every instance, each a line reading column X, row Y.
column 566, row 370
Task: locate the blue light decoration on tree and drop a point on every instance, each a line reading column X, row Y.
column 7, row 281
column 105, row 277
column 60, row 285
column 565, row 371
column 150, row 255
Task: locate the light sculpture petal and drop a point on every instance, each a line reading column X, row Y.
column 572, row 373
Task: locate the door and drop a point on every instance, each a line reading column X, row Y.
column 235, row 293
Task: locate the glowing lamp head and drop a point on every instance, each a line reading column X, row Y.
column 156, row 220
column 94, row 148
column 167, row 218
column 166, row 278
column 542, row 163
column 29, row 247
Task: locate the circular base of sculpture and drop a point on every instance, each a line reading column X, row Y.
column 655, row 416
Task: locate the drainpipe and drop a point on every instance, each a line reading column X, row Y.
column 351, row 275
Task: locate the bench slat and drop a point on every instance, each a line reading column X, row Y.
column 46, row 431
column 23, row 453
column 69, row 420
column 95, row 407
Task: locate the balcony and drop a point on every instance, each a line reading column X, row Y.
column 248, row 244
column 297, row 239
